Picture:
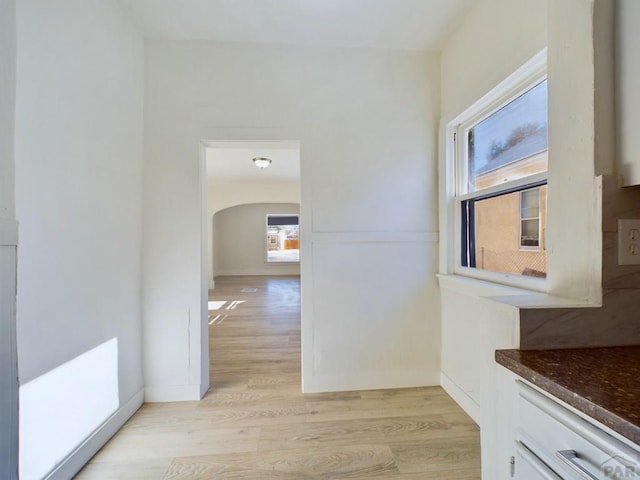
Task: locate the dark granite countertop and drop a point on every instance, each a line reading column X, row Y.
column 603, row 383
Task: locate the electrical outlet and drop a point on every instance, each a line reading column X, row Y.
column 629, row 241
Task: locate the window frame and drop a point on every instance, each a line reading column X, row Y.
column 540, row 246
column 456, row 172
column 266, row 242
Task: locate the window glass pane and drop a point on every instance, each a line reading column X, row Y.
column 511, row 143
column 282, row 219
column 530, row 234
column 530, row 203
column 502, row 240
column 283, row 234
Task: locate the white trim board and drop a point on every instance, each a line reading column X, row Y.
column 271, row 271
column 461, row 397
column 8, row 365
column 369, row 381
column 175, row 393
column 81, row 455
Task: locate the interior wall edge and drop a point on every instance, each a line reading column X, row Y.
column 462, row 398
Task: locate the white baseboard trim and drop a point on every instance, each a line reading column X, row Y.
column 462, row 398
column 87, row 449
column 204, row 388
column 274, row 270
column 369, row 381
column 176, row 393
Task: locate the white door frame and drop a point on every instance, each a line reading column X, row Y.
column 8, row 248
column 231, row 136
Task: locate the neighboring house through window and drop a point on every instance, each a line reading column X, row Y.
column 530, row 218
column 500, row 152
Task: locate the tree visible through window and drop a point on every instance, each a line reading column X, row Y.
column 283, row 242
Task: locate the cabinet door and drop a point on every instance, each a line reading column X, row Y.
column 628, row 93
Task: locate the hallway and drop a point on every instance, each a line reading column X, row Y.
column 255, row 424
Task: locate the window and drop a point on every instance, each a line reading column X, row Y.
column 500, row 154
column 530, row 218
column 283, row 238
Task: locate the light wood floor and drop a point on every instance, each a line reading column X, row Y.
column 255, row 424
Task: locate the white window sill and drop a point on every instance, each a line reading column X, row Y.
column 516, row 297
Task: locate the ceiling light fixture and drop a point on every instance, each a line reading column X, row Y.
column 261, row 162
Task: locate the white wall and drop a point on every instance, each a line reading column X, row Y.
column 577, row 151
column 240, row 240
column 628, row 96
column 508, row 33
column 225, row 195
column 79, row 130
column 366, row 121
column 496, row 38
column 8, row 243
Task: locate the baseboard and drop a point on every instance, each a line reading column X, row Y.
column 87, row 449
column 275, row 270
column 462, row 398
column 204, row 388
column 176, row 393
column 369, row 381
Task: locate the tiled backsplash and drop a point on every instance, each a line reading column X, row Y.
column 617, row 322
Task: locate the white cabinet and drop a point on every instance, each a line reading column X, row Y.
column 628, row 90
column 530, row 467
column 554, row 443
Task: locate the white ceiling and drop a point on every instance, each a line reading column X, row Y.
column 230, row 162
column 396, row 24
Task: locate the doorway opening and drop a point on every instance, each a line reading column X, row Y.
column 252, row 250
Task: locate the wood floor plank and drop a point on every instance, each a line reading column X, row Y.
column 255, row 415
column 243, row 397
column 255, row 424
column 436, row 455
column 444, row 473
column 122, row 470
column 359, row 461
column 315, row 435
column 393, row 430
column 407, row 430
column 170, row 444
column 372, row 409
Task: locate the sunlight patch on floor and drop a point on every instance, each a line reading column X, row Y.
column 218, row 318
column 216, row 304
column 234, row 304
